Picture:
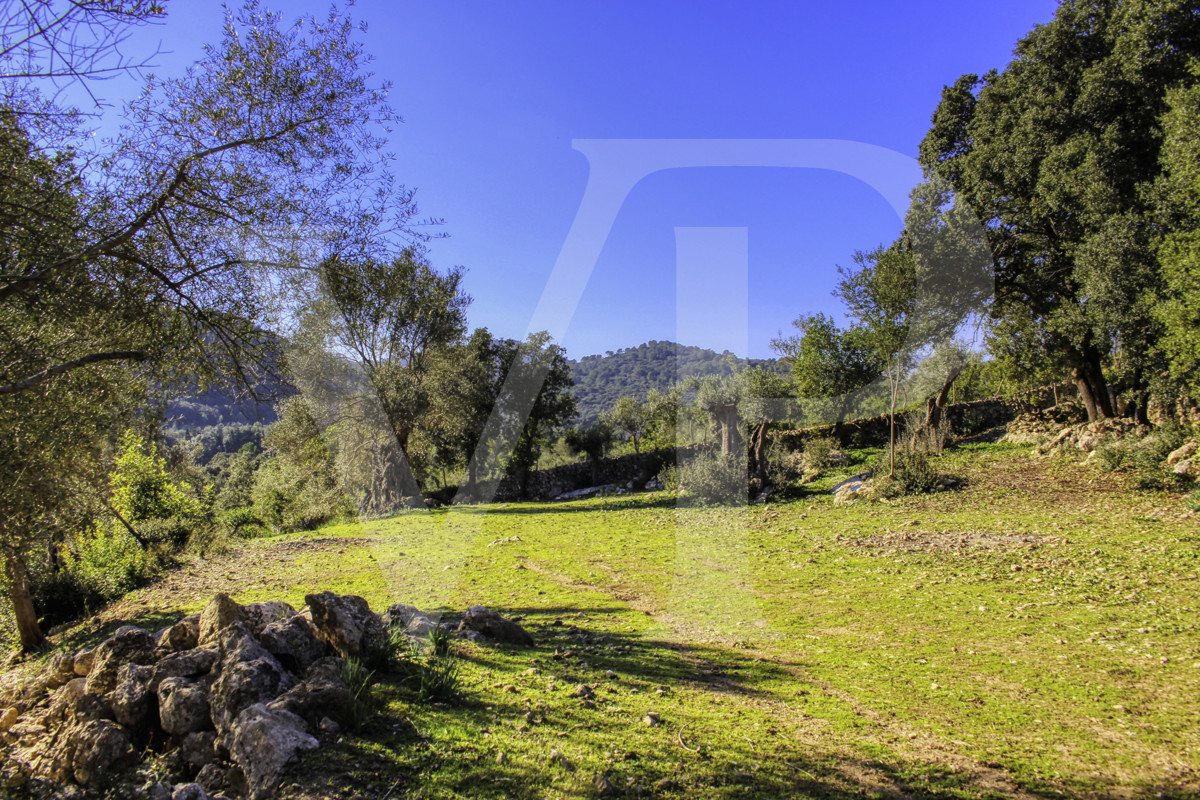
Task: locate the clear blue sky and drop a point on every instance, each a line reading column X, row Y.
column 494, row 93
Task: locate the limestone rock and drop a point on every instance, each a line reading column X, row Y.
column 1186, row 451
column 183, row 706
column 322, row 695
column 185, row 664
column 83, row 661
column 132, row 699
column 128, row 645
column 263, row 741
column 97, row 748
column 197, row 749
column 220, row 613
column 259, row 615
column 183, row 635
column 8, row 718
column 246, row 675
column 294, row 641
column 408, row 619
column 347, row 624
column 189, row 791
column 494, row 626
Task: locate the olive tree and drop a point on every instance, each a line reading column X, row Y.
column 149, row 260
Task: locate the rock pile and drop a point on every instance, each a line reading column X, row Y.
column 228, row 696
column 1056, row 431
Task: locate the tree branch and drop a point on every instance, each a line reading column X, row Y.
column 50, row 372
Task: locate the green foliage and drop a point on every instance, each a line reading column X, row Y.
column 103, row 563
column 1193, row 501
column 914, row 474
column 828, row 363
column 817, row 451
column 600, row 380
column 1145, row 457
column 298, row 488
column 670, row 479
column 712, row 479
column 358, row 679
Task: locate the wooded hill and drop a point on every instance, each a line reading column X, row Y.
column 601, row 379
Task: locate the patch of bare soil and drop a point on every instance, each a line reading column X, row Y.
column 950, row 540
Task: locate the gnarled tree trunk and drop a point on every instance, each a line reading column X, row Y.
column 30, row 632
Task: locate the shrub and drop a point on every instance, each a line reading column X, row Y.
column 1148, row 456
column 670, row 479
column 101, row 564
column 1193, row 501
column 817, row 451
column 914, row 474
column 433, row 672
column 925, row 439
column 713, row 478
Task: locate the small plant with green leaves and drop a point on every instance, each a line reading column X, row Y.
column 439, row 641
column 358, row 679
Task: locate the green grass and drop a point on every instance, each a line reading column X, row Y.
column 1033, row 633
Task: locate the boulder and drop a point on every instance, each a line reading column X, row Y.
column 185, row 664
column 294, row 641
column 408, row 619
column 220, row 613
column 347, row 624
column 494, row 626
column 197, row 749
column 259, row 615
column 247, row 674
column 321, row 695
column 132, row 700
column 183, row 706
column 128, row 645
column 96, row 748
column 1187, row 450
column 189, row 791
column 1182, row 467
column 263, row 741
column 92, row 706
column 83, row 661
column 183, row 635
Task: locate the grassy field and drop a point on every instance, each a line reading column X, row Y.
column 1032, row 634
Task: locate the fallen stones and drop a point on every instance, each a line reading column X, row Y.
column 263, row 741
column 220, row 613
column 130, row 700
column 294, row 641
column 127, row 646
column 493, row 626
column 183, row 706
column 347, row 624
column 183, row 635
column 227, row 697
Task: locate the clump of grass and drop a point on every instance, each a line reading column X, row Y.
column 430, row 669
column 358, row 679
column 1193, row 501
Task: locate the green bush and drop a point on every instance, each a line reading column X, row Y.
column 817, row 451
column 102, row 564
column 1148, row 456
column 1193, row 501
column 713, row 478
column 670, row 479
column 914, row 474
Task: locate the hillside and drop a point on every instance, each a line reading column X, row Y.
column 601, row 379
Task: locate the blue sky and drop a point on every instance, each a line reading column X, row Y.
column 493, row 94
